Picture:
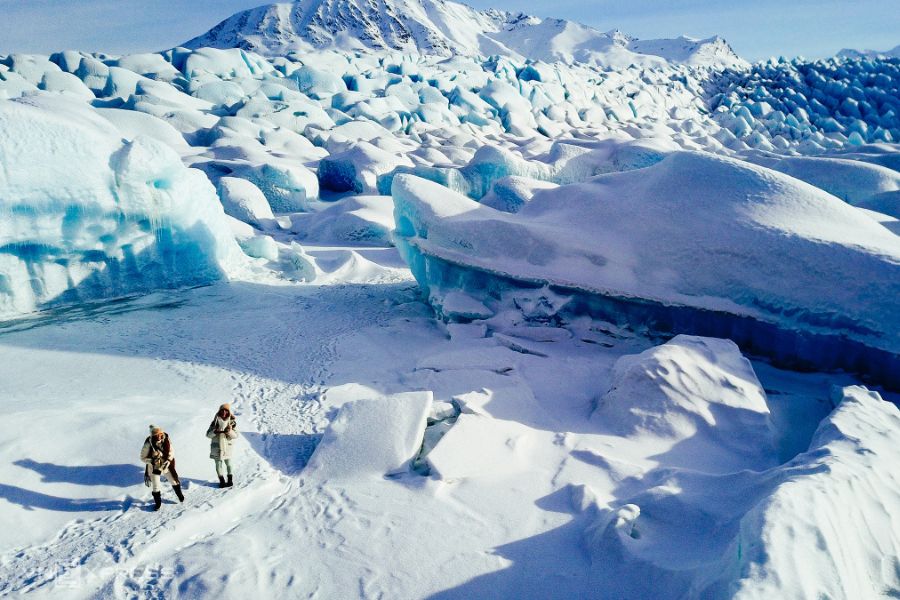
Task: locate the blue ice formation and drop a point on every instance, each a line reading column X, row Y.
column 695, row 244
column 85, row 215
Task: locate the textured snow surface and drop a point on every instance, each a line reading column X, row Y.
column 87, row 215
column 701, row 395
column 827, row 505
column 488, row 409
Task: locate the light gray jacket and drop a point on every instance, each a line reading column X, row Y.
column 222, row 433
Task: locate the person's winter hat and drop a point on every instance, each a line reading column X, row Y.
column 154, row 430
column 226, row 406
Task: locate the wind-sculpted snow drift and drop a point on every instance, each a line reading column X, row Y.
column 694, row 244
column 717, row 482
column 86, row 215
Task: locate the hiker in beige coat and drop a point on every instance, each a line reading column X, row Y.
column 159, row 457
column 222, row 432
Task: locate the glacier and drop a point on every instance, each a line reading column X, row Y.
column 515, row 308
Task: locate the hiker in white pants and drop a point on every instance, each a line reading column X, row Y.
column 222, row 432
column 159, row 457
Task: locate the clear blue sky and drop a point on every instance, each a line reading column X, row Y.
column 756, row 29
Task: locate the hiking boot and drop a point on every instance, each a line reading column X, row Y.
column 178, row 492
column 230, row 480
column 157, row 500
column 222, row 482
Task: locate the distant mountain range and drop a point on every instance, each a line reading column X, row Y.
column 851, row 53
column 444, row 28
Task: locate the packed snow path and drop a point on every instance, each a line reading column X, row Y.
column 270, row 348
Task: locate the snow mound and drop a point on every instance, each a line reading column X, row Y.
column 692, row 533
column 373, row 437
column 693, row 244
column 700, row 394
column 87, row 215
column 843, row 514
column 856, row 182
column 356, row 219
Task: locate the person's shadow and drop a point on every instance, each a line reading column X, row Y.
column 122, row 475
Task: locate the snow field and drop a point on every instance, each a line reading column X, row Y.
column 536, row 439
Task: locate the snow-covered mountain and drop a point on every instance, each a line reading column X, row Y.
column 852, row 53
column 443, row 28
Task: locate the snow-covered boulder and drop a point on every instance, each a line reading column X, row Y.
column 88, row 215
column 373, row 437
column 244, row 201
column 356, row 219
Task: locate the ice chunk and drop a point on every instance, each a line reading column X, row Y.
column 243, row 200
column 13, row 85
column 88, row 216
column 226, row 64
column 260, row 246
column 153, row 66
column 65, row 82
column 373, row 437
column 318, row 83
column 32, row 67
column 93, row 73
column 648, row 246
column 358, row 169
column 287, row 187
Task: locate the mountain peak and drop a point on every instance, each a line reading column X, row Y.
column 444, row 28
